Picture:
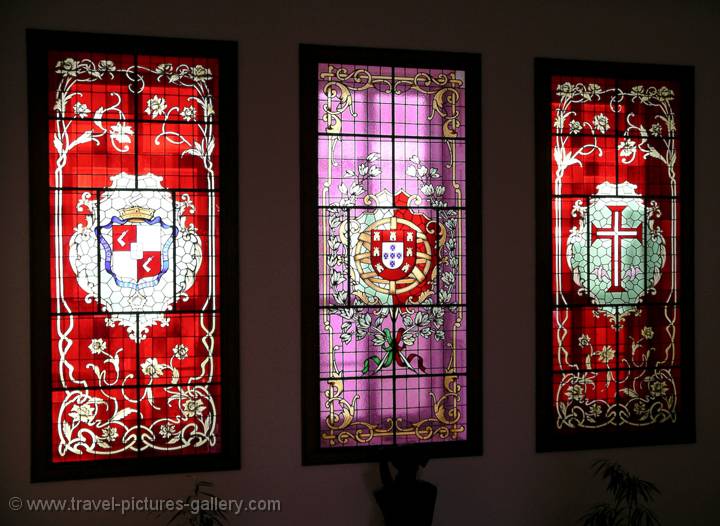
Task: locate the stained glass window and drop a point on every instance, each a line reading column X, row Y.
column 615, row 254
column 390, row 159
column 130, row 184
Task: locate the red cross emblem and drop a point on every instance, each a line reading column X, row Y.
column 615, row 233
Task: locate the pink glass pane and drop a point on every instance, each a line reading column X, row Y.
column 391, row 236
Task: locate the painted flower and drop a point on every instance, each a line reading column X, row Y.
column 606, row 354
column 647, row 333
column 601, row 123
column 658, row 388
column 192, row 408
column 565, row 89
column 82, row 412
column 627, row 148
column 575, row 127
column 427, row 189
column 164, row 68
column 67, row 67
column 201, row 73
column 595, row 410
column 106, row 65
column 156, row 106
column 167, row 431
column 97, row 345
column 665, row 94
column 180, row 351
column 575, row 393
column 656, row 130
column 81, row 110
column 639, row 407
column 593, row 90
column 121, row 133
column 188, row 113
column 584, row 340
column 109, row 434
column 638, row 91
column 152, row 368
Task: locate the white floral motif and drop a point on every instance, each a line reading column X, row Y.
column 576, row 393
column 156, row 106
column 109, row 435
column 152, row 368
column 201, row 73
column 606, row 354
column 627, row 148
column 167, row 431
column 67, row 67
column 658, row 389
column 575, row 127
column 601, row 123
column 82, row 412
column 565, row 89
column 81, row 110
column 121, row 133
column 180, row 351
column 192, row 408
column 97, row 345
column 188, row 113
column 106, row 65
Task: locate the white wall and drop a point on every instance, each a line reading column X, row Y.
column 510, row 484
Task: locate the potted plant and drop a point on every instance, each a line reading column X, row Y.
column 193, row 513
column 629, row 499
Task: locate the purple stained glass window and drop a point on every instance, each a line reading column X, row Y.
column 391, row 291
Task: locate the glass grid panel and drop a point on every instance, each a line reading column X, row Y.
column 134, row 200
column 391, row 246
column 615, row 256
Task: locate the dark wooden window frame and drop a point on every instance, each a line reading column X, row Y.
column 39, row 43
column 683, row 430
column 310, row 56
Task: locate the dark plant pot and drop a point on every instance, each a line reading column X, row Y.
column 412, row 503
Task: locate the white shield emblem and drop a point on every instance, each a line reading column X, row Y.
column 137, row 254
column 392, row 254
column 148, row 254
column 616, row 252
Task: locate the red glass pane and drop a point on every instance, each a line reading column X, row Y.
column 615, row 179
column 134, row 272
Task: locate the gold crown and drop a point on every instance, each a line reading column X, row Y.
column 136, row 214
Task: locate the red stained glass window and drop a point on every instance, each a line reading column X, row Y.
column 615, row 231
column 391, row 326
column 134, row 191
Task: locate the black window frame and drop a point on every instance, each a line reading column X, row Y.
column 548, row 438
column 39, row 44
column 309, row 58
